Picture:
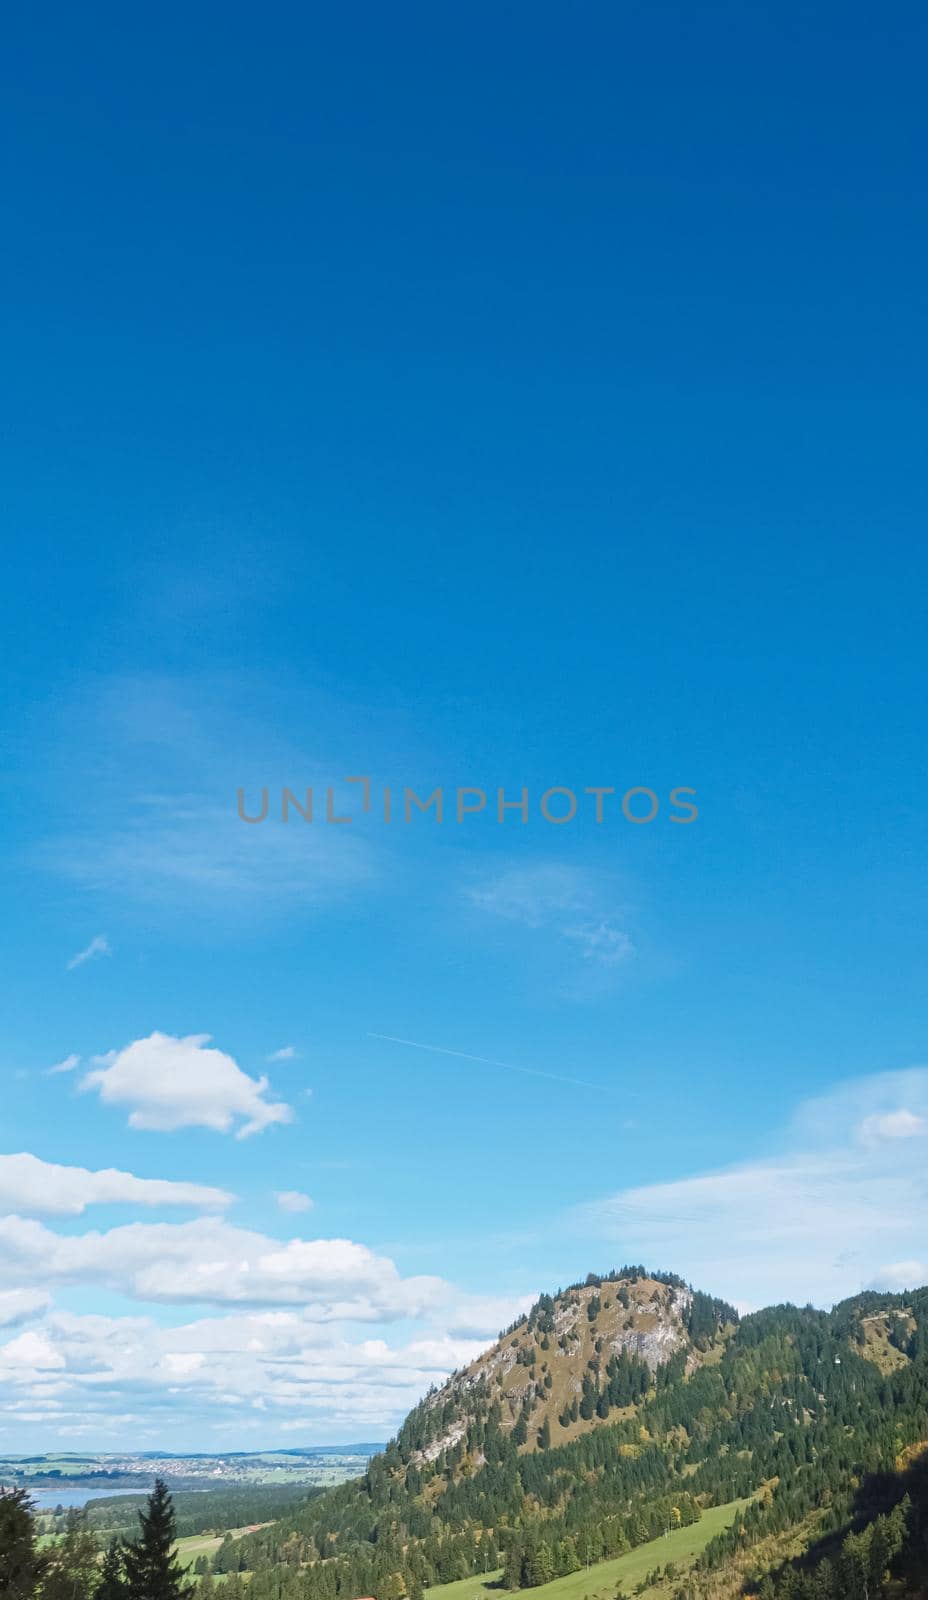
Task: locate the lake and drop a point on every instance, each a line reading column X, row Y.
column 47, row 1498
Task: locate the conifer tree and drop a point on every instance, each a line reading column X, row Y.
column 112, row 1574
column 541, row 1564
column 72, row 1570
column 152, row 1569
column 21, row 1566
column 512, row 1571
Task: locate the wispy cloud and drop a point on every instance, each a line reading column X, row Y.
column 168, row 755
column 601, row 943
column 562, row 901
column 69, row 1064
column 841, row 1208
column 902, row 1124
column 189, row 851
column 286, row 1053
column 32, row 1187
column 98, row 946
column 293, row 1201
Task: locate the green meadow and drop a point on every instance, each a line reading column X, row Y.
column 601, row 1582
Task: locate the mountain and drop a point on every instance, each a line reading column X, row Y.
column 580, row 1357
column 624, row 1408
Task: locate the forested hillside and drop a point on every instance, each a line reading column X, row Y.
column 616, row 1410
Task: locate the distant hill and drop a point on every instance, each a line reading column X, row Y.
column 581, row 1357
column 366, row 1449
column 618, row 1410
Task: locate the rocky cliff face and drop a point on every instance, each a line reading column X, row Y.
column 536, row 1371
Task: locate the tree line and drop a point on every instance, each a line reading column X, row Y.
column 790, row 1416
column 74, row 1568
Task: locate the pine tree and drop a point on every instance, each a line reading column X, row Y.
column 112, row 1575
column 20, row 1564
column 153, row 1571
column 72, row 1570
column 541, row 1564
column 512, row 1571
column 567, row 1558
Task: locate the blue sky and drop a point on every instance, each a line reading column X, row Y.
column 493, row 401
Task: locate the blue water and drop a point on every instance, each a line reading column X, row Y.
column 46, row 1499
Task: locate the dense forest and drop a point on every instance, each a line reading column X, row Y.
column 195, row 1510
column 791, row 1409
column 620, row 1409
column 74, row 1567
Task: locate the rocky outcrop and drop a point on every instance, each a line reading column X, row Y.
column 536, row 1371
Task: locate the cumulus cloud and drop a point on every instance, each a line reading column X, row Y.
column 213, row 1262
column 98, row 946
column 293, row 1200
column 842, row 1208
column 252, row 1371
column 275, row 1352
column 30, row 1185
column 30, row 1352
column 18, row 1305
column 170, row 1083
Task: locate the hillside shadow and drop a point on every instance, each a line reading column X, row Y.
column 879, row 1494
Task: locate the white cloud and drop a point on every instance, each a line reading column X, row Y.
column 213, row 1262
column 900, row 1124
column 278, row 1352
column 30, row 1185
column 482, row 1317
column 171, row 1083
column 18, row 1305
column 900, row 1275
column 79, row 1374
column 292, row 1200
column 98, row 946
column 30, row 1352
column 67, row 1065
column 848, row 1194
column 286, row 1053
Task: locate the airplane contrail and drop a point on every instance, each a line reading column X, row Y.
column 485, row 1061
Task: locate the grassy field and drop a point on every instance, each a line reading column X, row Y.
column 682, row 1546
column 206, row 1544
column 198, row 1544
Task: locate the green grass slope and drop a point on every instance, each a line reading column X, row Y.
column 681, row 1546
